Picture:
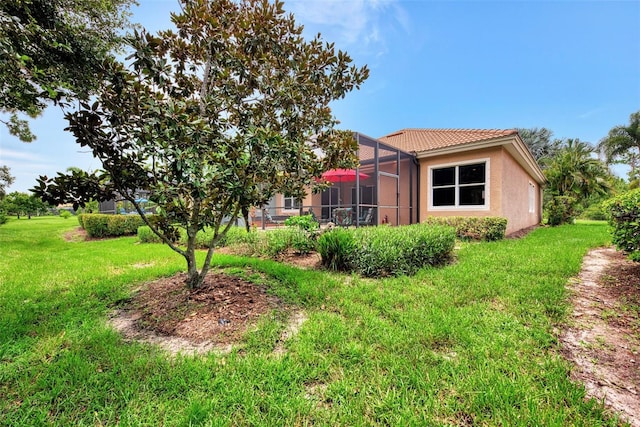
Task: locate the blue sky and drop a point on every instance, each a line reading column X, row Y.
column 570, row 66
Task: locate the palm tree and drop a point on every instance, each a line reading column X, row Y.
column 574, row 175
column 622, row 144
column 575, row 172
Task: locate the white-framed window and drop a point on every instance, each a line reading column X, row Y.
column 459, row 186
column 290, row 203
column 532, row 197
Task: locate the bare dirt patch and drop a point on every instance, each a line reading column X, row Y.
column 76, row 235
column 603, row 335
column 212, row 317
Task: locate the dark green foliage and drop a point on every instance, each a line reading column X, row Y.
column 577, row 177
column 394, row 251
column 560, row 210
column 595, row 212
column 51, row 52
column 305, row 222
column 145, row 235
column 3, row 218
column 214, row 118
column 486, row 228
column 624, row 217
column 101, row 225
column 335, row 248
column 81, row 220
column 279, row 241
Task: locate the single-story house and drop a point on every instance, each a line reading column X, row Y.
column 474, row 172
column 411, row 174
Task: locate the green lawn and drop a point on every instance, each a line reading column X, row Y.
column 468, row 344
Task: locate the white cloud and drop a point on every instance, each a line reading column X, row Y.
column 16, row 155
column 360, row 24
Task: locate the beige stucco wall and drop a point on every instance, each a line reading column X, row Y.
column 515, row 195
column 507, row 188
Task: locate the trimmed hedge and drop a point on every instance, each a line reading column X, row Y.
column 235, row 235
column 103, row 225
column 486, row 228
column 387, row 251
column 624, row 218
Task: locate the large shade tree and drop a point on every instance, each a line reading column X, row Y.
column 622, row 145
column 50, row 51
column 19, row 204
column 212, row 119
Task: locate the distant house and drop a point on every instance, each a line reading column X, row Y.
column 411, row 174
column 473, row 172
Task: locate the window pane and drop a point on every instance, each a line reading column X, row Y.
column 444, row 176
column 472, row 174
column 287, row 202
column 444, row 196
column 472, row 195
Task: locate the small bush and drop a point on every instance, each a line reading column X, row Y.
column 237, row 236
column 560, row 210
column 278, row 241
column 487, row 228
column 145, row 235
column 624, row 211
column 595, row 212
column 3, row 218
column 81, row 220
column 103, row 225
column 65, row 214
column 394, row 251
column 336, row 248
column 305, row 222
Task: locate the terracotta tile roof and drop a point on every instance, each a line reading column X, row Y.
column 431, row 139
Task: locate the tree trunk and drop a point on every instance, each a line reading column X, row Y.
column 194, row 278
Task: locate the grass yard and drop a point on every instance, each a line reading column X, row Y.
column 472, row 343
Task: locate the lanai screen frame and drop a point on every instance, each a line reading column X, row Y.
column 386, row 182
column 387, row 167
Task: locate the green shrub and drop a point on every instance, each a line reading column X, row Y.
column 595, row 212
column 305, row 222
column 3, row 218
column 624, row 218
column 145, row 235
column 81, row 220
column 278, row 241
column 560, row 210
column 103, row 225
column 473, row 228
column 237, row 236
column 65, row 214
column 336, row 248
column 402, row 250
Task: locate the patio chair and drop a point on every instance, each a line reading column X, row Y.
column 342, row 217
column 269, row 218
column 313, row 215
column 367, row 217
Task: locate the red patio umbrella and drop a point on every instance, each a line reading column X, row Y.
column 343, row 175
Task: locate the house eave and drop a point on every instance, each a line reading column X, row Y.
column 514, row 145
